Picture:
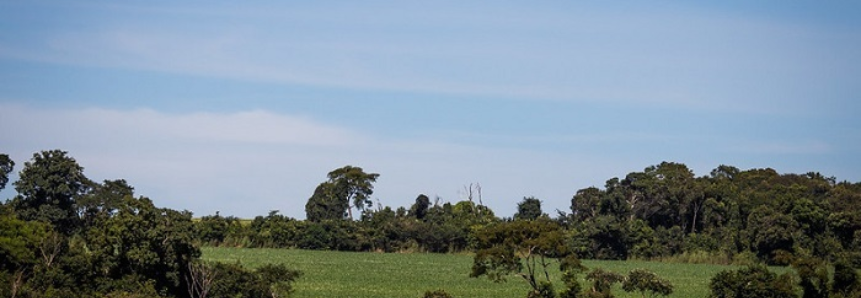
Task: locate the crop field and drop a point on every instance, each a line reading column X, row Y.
column 361, row 275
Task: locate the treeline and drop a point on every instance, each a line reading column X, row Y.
column 664, row 212
column 64, row 236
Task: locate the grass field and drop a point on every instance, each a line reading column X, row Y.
column 360, row 275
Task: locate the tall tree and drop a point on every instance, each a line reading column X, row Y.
column 48, row 187
column 6, row 166
column 353, row 186
column 505, row 248
column 420, row 208
column 528, row 209
column 324, row 204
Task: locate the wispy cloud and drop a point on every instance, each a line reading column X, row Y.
column 679, row 57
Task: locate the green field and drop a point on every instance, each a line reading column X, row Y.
column 354, row 274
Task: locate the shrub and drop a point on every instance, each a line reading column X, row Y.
column 436, row 294
column 751, row 282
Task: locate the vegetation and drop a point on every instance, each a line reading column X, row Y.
column 64, row 235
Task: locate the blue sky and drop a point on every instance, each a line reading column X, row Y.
column 243, row 107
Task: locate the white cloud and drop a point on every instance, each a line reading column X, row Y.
column 678, row 57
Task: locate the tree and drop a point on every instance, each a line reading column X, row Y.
column 645, row 281
column 751, row 282
column 6, row 166
column 846, row 283
column 420, row 208
column 324, row 204
column 813, row 277
column 507, row 247
column 436, row 294
column 353, row 186
column 602, row 282
column 48, row 187
column 103, row 200
column 771, row 232
column 586, row 203
column 528, row 209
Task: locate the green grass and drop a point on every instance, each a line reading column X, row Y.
column 355, row 275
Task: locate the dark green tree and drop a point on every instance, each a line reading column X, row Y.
column 813, row 277
column 751, row 282
column 586, row 203
column 846, row 283
column 420, row 208
column 103, row 200
column 646, row 282
column 353, row 186
column 602, row 282
column 436, row 294
column 528, row 209
column 525, row 249
column 325, row 204
column 6, row 166
column 48, row 188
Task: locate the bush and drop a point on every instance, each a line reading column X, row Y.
column 751, row 282
column 643, row 281
column 436, row 294
column 234, row 280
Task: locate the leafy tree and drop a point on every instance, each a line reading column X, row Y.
column 48, row 186
column 142, row 242
column 506, row 248
column 751, row 282
column 771, row 232
column 602, row 282
column 6, row 166
column 420, row 208
column 236, row 281
column 528, row 209
column 353, row 186
column 846, row 283
column 103, row 200
column 19, row 241
column 586, row 203
column 325, row 204
column 813, row 275
column 436, row 294
column 645, row 281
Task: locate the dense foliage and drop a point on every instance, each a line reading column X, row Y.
column 66, row 236
column 664, row 212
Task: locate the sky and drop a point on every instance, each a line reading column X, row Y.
column 243, row 107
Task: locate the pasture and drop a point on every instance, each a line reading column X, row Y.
column 366, row 275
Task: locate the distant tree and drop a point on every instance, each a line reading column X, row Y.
column 528, row 209
column 324, row 204
column 234, row 280
column 645, row 281
column 602, row 282
column 846, row 283
column 6, row 166
column 353, row 186
column 436, row 294
column 813, row 277
column 48, row 187
column 103, row 200
column 751, row 282
column 420, row 208
column 771, row 231
column 586, row 203
column 525, row 249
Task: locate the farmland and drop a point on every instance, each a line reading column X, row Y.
column 358, row 275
